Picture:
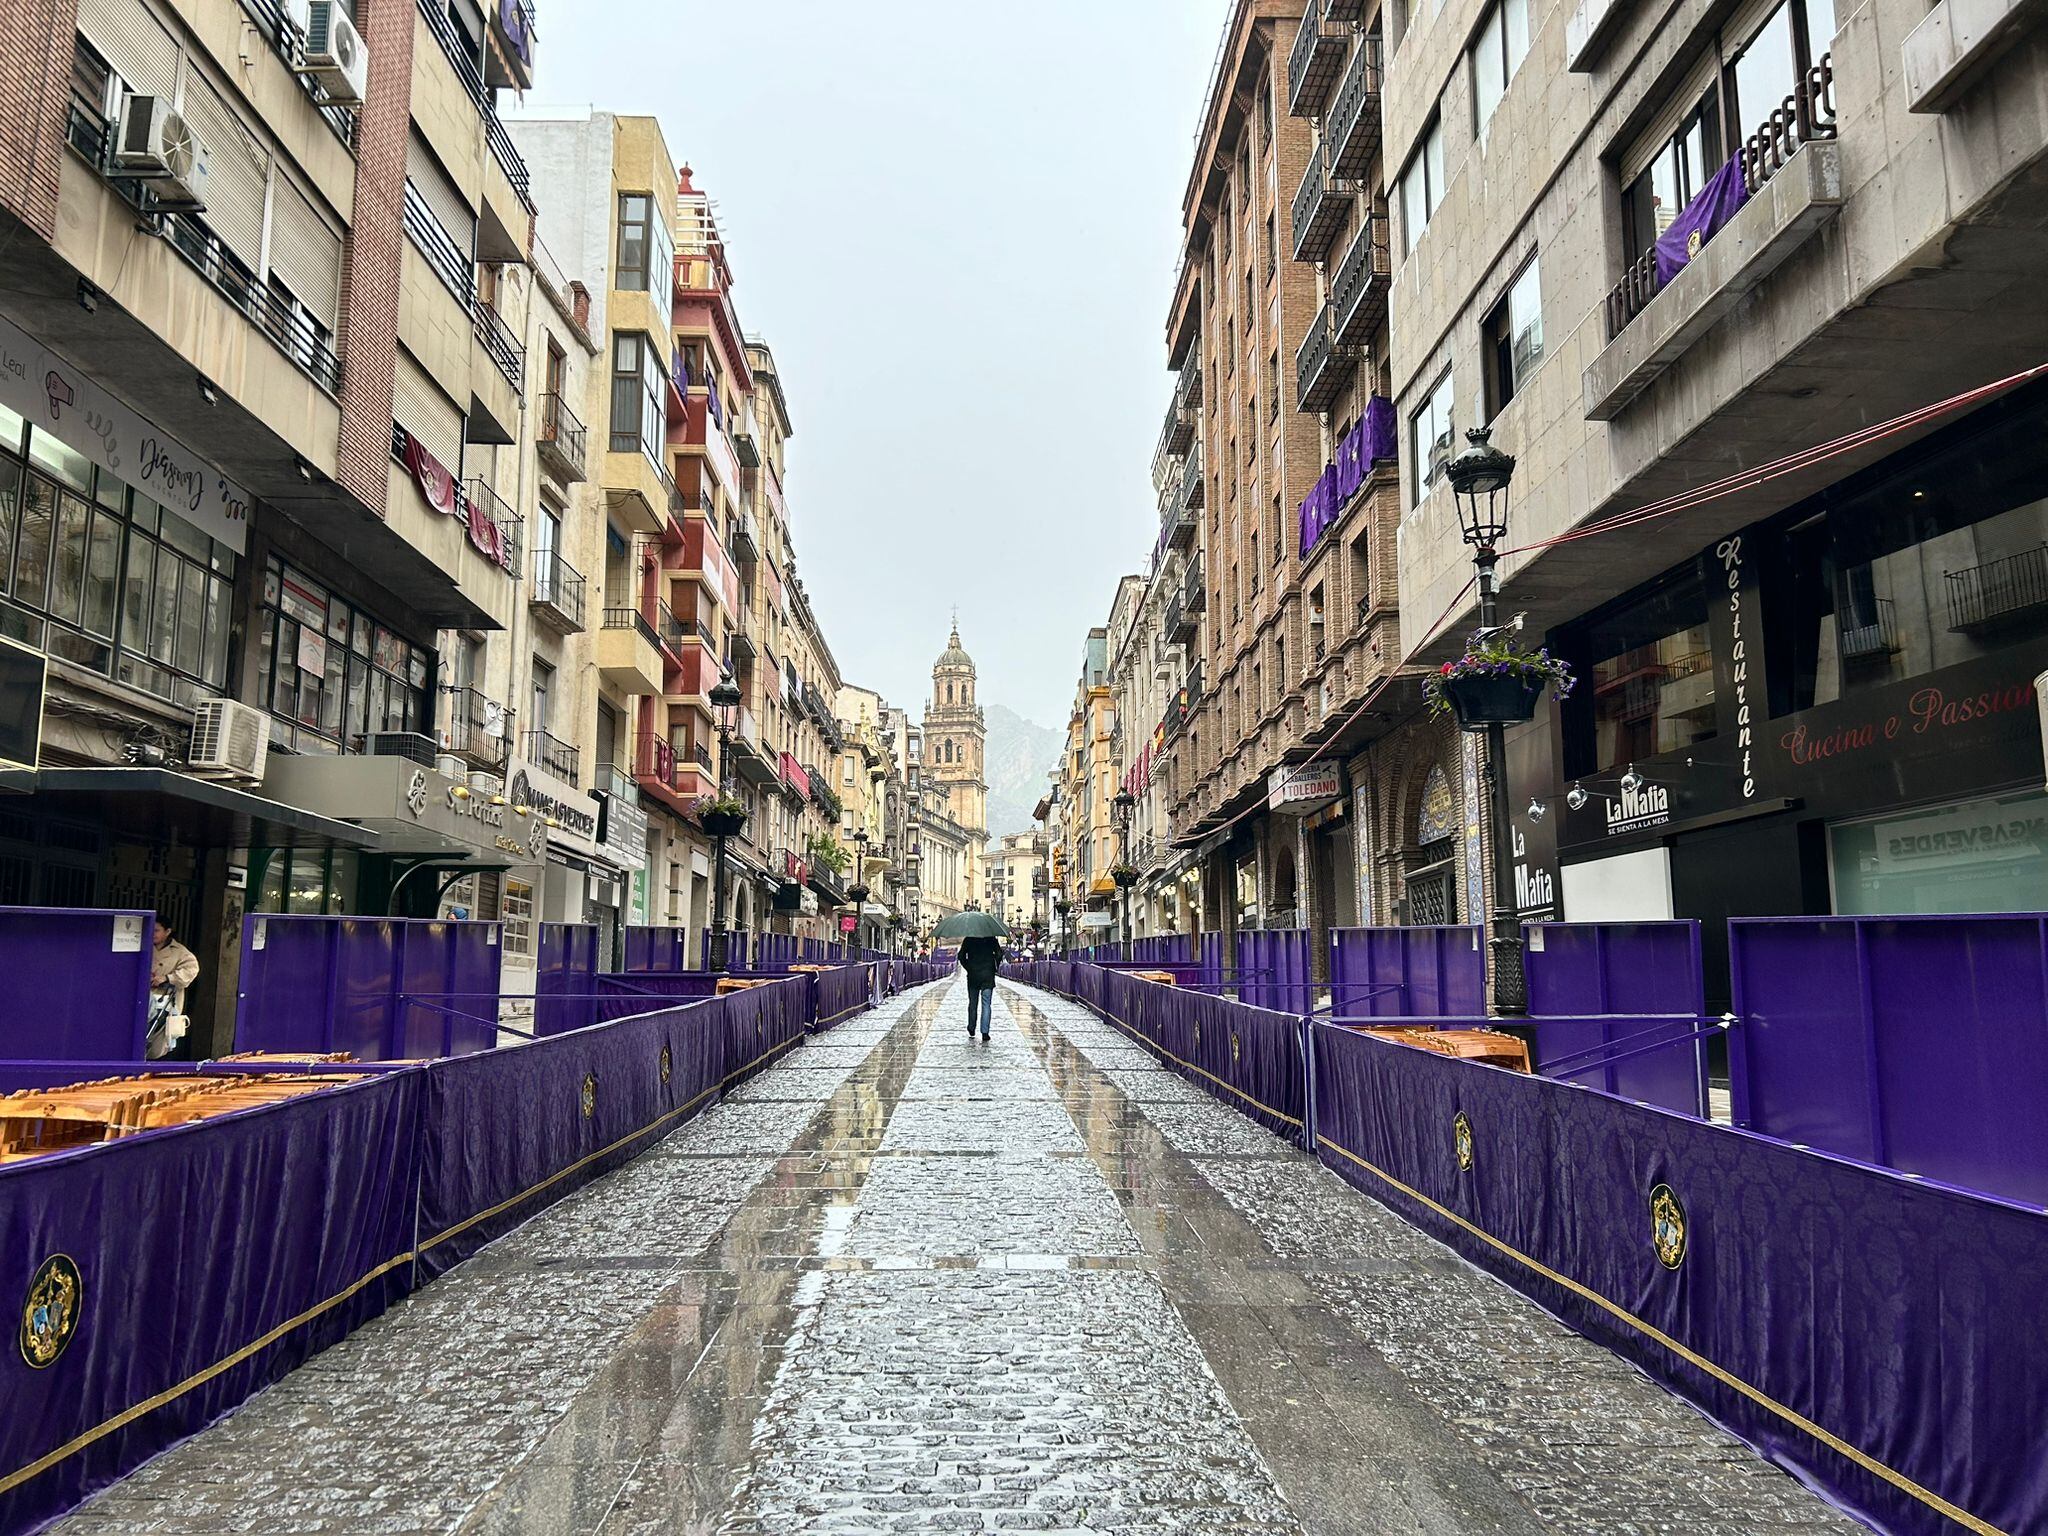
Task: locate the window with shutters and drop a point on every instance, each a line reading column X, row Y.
column 258, row 238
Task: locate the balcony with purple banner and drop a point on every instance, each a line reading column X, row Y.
column 1688, row 271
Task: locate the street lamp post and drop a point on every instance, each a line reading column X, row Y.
column 1122, row 803
column 1479, row 481
column 859, row 892
column 725, row 702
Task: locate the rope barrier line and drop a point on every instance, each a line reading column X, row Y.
column 1728, row 485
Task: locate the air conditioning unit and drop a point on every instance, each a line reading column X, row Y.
column 412, row 745
column 334, row 53
column 229, row 741
column 155, row 144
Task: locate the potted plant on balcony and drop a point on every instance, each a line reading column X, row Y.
column 1495, row 683
column 826, row 850
column 1124, row 876
column 722, row 815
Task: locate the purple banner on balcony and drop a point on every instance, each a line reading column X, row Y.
column 518, row 29
column 1718, row 202
column 1358, row 450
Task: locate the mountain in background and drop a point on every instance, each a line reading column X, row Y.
column 1019, row 755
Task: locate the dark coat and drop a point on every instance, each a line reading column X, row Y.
column 979, row 958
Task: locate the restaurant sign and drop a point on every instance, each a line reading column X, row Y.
column 1297, row 789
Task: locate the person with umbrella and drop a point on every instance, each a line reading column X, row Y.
column 981, row 952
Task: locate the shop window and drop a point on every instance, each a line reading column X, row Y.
column 1512, row 339
column 1913, row 568
column 104, row 579
column 329, row 673
column 516, row 911
column 1649, row 677
column 1986, row 855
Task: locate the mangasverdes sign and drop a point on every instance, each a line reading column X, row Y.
column 1303, row 787
column 574, row 812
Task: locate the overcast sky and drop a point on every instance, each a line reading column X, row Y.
column 956, row 223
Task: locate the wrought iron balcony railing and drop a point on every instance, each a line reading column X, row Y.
column 561, row 437
column 557, row 590
column 1998, row 592
column 553, row 754
column 1805, row 115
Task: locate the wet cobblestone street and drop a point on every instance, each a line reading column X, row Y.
column 911, row 1282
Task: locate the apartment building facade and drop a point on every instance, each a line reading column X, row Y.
column 1652, row 250
column 1085, row 848
column 1279, row 472
column 263, row 447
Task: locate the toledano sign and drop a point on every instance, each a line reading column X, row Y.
column 574, row 812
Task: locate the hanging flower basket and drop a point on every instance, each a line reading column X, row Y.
column 1493, row 683
column 1124, row 876
column 721, row 815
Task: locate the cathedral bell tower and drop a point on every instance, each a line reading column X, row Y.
column 955, row 737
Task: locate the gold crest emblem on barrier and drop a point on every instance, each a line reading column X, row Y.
column 1461, row 1140
column 1198, row 1034
column 1233, row 1047
column 1667, row 1226
column 589, row 1094
column 667, row 1064
column 50, row 1311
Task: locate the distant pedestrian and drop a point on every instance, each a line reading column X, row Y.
column 979, row 958
column 172, row 968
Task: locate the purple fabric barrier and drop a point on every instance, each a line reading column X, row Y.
column 658, row 949
column 840, row 994
column 563, row 978
column 1911, row 1042
column 1712, row 206
column 101, row 1012
column 1407, row 973
column 1597, row 989
column 1247, row 1057
column 1273, row 969
column 1883, row 1311
column 191, row 1245
column 1215, row 961
column 367, row 985
column 508, row 1132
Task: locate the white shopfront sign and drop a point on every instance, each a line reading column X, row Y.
column 574, row 812
column 52, row 394
column 1303, row 787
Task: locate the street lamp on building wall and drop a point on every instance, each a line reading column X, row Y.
column 1121, row 804
column 1479, row 481
column 725, row 703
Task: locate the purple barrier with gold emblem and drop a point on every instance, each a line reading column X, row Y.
column 163, row 1277
column 1858, row 1327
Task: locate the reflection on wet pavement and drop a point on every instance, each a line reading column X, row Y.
column 909, row 1282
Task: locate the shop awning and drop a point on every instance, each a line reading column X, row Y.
column 152, row 804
